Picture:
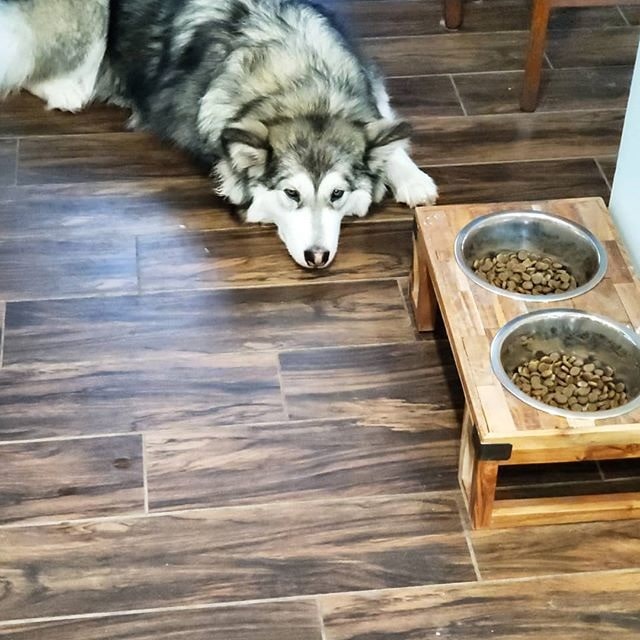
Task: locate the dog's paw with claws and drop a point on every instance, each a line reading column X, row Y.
column 417, row 189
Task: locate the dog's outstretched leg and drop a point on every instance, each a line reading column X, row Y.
column 409, row 184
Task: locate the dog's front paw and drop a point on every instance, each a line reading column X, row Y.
column 417, row 189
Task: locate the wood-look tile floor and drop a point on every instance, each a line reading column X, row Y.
column 200, row 440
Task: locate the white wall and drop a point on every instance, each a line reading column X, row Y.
column 625, row 195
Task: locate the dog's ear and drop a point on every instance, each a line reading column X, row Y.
column 246, row 144
column 382, row 133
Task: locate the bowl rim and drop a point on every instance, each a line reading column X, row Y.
column 507, row 383
column 551, row 297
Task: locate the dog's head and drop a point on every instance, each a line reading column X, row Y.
column 305, row 174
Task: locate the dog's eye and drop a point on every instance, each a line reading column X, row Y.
column 293, row 194
column 336, row 194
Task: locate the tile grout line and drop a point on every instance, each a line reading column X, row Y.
column 3, row 330
column 145, row 479
column 602, row 173
column 17, row 163
column 548, row 59
column 623, row 15
column 310, row 598
column 323, row 631
column 457, row 92
column 464, row 522
column 472, row 553
column 137, row 257
column 283, row 396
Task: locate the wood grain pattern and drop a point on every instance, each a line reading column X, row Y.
column 588, row 607
column 382, row 381
column 132, row 208
column 417, row 17
column 92, row 157
column 265, row 621
column 61, row 479
column 516, row 137
column 111, row 395
column 510, row 181
column 537, row 551
column 239, row 258
column 227, row 321
column 461, row 52
column 47, row 268
column 8, row 160
column 232, row 554
column 299, row 461
column 424, row 96
column 25, row 115
column 561, row 89
column 606, row 47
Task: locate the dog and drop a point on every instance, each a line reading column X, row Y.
column 272, row 95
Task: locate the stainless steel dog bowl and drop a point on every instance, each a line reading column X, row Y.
column 576, row 333
column 559, row 238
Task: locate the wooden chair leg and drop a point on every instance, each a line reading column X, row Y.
column 423, row 297
column 453, row 13
column 535, row 55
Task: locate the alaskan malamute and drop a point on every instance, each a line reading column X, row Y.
column 271, row 94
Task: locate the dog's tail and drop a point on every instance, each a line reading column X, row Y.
column 17, row 47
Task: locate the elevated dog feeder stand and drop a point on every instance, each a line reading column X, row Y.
column 498, row 429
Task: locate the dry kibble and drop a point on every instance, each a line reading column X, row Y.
column 525, row 272
column 562, row 380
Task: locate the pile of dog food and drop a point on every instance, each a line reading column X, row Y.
column 569, row 382
column 525, row 272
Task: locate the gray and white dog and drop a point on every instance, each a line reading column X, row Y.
column 295, row 125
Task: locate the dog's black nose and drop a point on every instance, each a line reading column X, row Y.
column 316, row 257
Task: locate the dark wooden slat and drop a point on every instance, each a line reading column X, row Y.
column 268, row 621
column 536, row 551
column 561, row 89
column 53, row 268
column 25, row 115
column 207, row 322
column 570, row 489
column 131, row 208
column 519, row 137
column 532, row 474
column 255, row 256
column 515, row 181
column 232, row 554
column 629, row 468
column 605, row 47
column 109, row 156
column 62, row 479
column 461, row 52
column 8, row 158
column 299, row 461
column 424, row 95
column 587, row 607
column 142, row 393
column 380, row 381
column 420, row 17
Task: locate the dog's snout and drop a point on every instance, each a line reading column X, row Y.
column 316, row 257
